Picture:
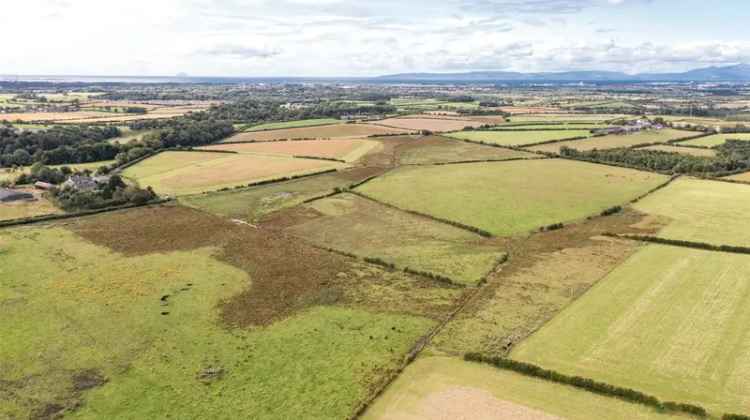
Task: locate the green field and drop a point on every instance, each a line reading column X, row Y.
column 671, row 322
column 292, row 124
column 524, row 126
column 183, row 173
column 702, row 211
column 355, row 225
column 448, row 388
column 251, row 204
column 432, row 150
column 508, row 198
column 172, row 356
column 518, row 138
column 617, row 141
column 717, row 140
column 542, row 118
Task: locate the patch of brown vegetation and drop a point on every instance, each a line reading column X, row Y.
column 286, row 274
column 387, row 156
column 546, row 271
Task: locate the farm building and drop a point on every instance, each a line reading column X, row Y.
column 43, row 185
column 7, row 195
column 80, row 183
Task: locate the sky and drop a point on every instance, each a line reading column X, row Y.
column 328, row 38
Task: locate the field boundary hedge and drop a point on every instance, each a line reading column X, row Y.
column 732, row 249
column 318, row 158
column 476, row 230
column 54, row 217
column 459, row 162
column 587, row 384
column 248, row 129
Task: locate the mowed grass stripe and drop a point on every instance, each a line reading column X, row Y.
column 670, row 321
column 507, row 198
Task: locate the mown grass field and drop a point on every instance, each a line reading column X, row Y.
column 359, row 226
column 692, row 151
column 508, row 198
column 10, row 175
column 170, row 292
column 670, row 321
column 430, row 150
column 449, row 388
column 616, row 141
column 348, row 150
column 717, row 140
column 589, row 118
column 317, row 132
column 180, row 173
column 518, row 138
column 292, row 124
column 702, row 211
column 251, row 204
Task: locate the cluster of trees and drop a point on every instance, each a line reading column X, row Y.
column 57, row 145
column 40, row 172
column 254, row 111
column 732, row 156
column 112, row 194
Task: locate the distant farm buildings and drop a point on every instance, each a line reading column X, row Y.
column 629, row 128
column 8, row 195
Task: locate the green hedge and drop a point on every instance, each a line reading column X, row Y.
column 587, row 384
column 734, row 417
column 687, row 244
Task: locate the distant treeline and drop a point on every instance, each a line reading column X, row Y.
column 732, row 156
column 254, row 111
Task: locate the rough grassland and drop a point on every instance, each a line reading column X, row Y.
column 717, row 140
column 433, row 149
column 670, row 321
column 62, row 296
column 180, row 173
column 507, row 198
column 702, row 211
column 21, row 209
column 615, row 141
column 431, row 124
column 362, row 227
column 449, row 388
column 518, row 138
column 348, row 150
column 320, row 132
column 692, row 151
column 293, row 124
column 253, row 203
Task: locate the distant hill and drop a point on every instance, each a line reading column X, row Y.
column 736, row 73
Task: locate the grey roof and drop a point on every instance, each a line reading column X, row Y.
column 7, row 195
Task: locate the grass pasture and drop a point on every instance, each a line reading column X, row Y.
column 544, row 118
column 292, row 124
column 552, row 126
column 168, row 291
column 670, row 321
column 318, row 132
column 251, row 204
column 702, row 211
column 347, row 150
column 180, row 173
column 616, row 141
column 450, row 388
column 439, row 125
column 430, row 150
column 514, row 197
column 367, row 229
column 717, row 139
column 518, row 138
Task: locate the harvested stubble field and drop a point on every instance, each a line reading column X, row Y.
column 616, row 141
column 670, row 321
column 180, row 173
column 692, row 151
column 439, row 125
column 702, row 211
column 518, row 138
column 293, row 124
column 513, row 197
column 347, row 150
column 367, row 229
column 319, row 132
column 717, row 140
column 545, row 273
column 434, row 149
column 174, row 291
column 251, row 204
column 20, row 209
column 444, row 388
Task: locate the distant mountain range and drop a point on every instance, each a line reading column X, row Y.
column 736, row 73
